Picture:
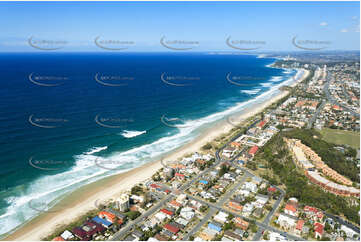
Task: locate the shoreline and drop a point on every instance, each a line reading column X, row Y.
column 84, row 199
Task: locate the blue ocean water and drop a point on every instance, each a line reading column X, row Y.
column 72, row 118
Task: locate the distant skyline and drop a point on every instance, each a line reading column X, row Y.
column 178, row 26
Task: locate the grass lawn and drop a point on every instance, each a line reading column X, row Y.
column 340, row 137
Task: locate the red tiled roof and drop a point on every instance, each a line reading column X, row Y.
column 109, row 216
column 319, row 228
column 253, row 150
column 163, row 210
column 320, row 215
column 154, row 185
column 271, row 189
column 171, row 228
column 160, row 237
column 300, row 224
column 175, row 203
column 179, row 174
column 290, row 208
column 235, row 144
column 200, row 161
column 310, row 209
column 336, row 107
column 262, row 123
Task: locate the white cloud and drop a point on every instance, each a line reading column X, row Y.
column 344, row 30
column 323, row 24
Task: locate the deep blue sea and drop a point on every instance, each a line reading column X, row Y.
column 72, row 118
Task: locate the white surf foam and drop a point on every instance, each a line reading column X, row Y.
column 276, row 79
column 130, row 134
column 251, row 92
column 96, row 150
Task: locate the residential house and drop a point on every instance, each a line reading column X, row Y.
column 234, row 205
column 102, row 221
column 350, row 233
column 250, row 187
column 258, row 212
column 319, row 229
column 171, row 228
column 286, row 221
column 253, row 150
column 160, row 217
column 167, row 213
column 240, row 223
column 248, row 209
column 187, row 213
column 299, row 227
column 215, row 226
column 88, row 230
column 137, row 234
column 290, row 209
column 261, row 200
column 221, row 217
column 67, row 235
column 207, row 234
column 232, row 236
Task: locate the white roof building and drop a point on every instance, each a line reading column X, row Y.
column 187, row 213
column 181, row 198
column 248, row 208
column 273, row 236
column 349, row 232
column 67, row 235
column 245, row 193
column 221, row 217
column 160, row 216
column 286, row 220
column 261, row 199
column 250, row 187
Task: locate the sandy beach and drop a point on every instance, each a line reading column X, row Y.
column 86, row 198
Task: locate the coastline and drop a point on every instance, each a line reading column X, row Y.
column 85, row 198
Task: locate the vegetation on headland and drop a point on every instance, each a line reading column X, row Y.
column 284, row 171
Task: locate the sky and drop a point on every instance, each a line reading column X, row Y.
column 178, row 26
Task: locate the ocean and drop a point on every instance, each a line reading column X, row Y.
column 68, row 119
